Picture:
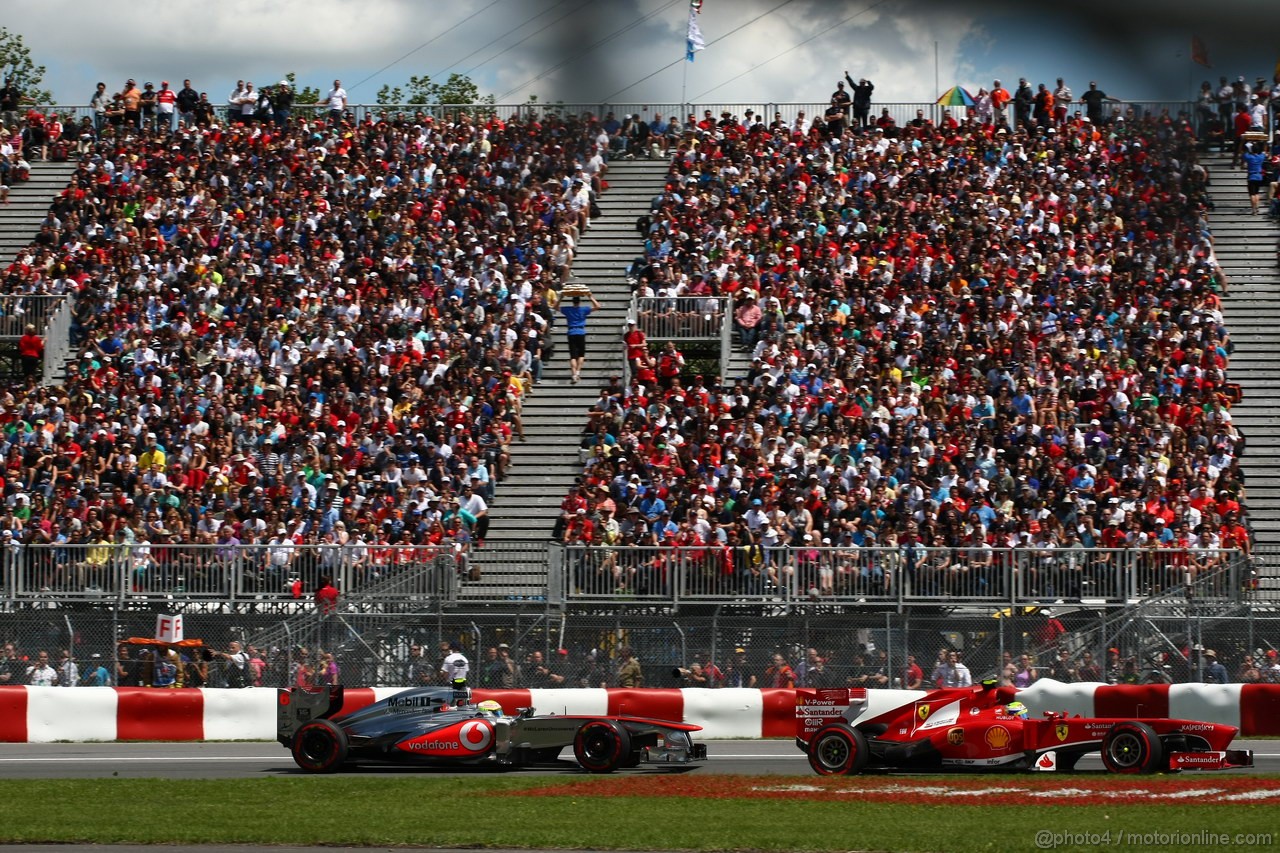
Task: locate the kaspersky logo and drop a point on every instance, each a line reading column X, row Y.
column 461, row 740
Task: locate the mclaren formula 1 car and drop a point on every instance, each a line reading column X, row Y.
column 984, row 727
column 441, row 727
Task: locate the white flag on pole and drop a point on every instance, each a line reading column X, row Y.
column 694, row 41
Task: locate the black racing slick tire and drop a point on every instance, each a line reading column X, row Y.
column 1132, row 747
column 320, row 746
column 837, row 750
column 601, row 746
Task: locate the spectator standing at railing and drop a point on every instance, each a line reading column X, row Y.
column 1062, row 100
column 1212, row 670
column 838, row 116
column 167, row 107
column 10, row 102
column 147, row 106
column 31, row 352
column 68, row 670
column 629, row 672
column 542, row 673
column 1248, row 673
column 1088, row 670
column 131, row 102
column 100, row 102
column 1093, row 100
column 186, row 101
column 1270, row 668
column 40, row 673
column 233, row 103
column 282, row 103
column 128, row 672
column 862, row 91
column 95, row 674
column 780, row 673
column 1000, row 98
column 336, row 100
column 12, row 669
column 1061, row 669
column 912, row 675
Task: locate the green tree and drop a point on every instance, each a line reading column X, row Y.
column 15, row 59
column 458, row 89
column 305, row 95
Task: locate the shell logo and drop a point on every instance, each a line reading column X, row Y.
column 475, row 735
column 997, row 737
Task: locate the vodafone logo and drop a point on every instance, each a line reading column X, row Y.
column 470, row 739
column 476, row 735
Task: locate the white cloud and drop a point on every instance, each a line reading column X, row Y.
column 890, row 41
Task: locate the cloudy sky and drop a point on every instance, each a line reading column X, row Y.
column 616, row 50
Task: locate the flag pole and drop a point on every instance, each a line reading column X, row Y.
column 684, row 85
column 693, row 43
column 1191, row 70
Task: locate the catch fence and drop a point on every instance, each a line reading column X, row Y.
column 856, row 648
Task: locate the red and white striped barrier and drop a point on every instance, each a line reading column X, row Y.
column 45, row 714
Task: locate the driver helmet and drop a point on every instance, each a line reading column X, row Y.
column 1016, row 709
column 491, row 706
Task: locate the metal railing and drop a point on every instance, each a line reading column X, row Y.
column 147, row 571
column 57, row 341
column 899, row 576
column 38, row 309
column 901, row 111
column 885, row 576
column 663, row 318
column 684, row 318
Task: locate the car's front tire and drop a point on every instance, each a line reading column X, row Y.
column 1132, row 747
column 320, row 746
column 837, row 750
column 601, row 746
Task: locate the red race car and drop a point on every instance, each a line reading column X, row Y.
column 984, row 727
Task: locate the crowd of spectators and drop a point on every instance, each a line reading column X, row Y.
column 289, row 329
column 999, row 331
column 979, row 334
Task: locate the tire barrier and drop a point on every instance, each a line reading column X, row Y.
column 46, row 714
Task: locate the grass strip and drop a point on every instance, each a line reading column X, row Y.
column 374, row 809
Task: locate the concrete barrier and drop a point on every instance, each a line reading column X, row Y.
column 45, row 714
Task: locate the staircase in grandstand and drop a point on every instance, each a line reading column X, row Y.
column 1245, row 246
column 514, row 560
column 20, row 222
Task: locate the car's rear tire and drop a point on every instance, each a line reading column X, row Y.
column 837, row 750
column 1132, row 747
column 320, row 746
column 601, row 746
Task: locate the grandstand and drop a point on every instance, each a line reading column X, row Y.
column 988, row 370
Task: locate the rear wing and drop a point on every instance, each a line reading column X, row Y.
column 297, row 705
column 817, row 708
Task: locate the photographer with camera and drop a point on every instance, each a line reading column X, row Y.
column 543, row 673
column 237, row 672
column 691, row 676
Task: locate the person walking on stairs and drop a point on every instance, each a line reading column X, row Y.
column 575, row 313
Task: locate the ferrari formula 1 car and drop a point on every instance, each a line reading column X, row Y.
column 441, row 727
column 984, row 727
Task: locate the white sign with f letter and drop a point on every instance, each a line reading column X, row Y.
column 169, row 628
